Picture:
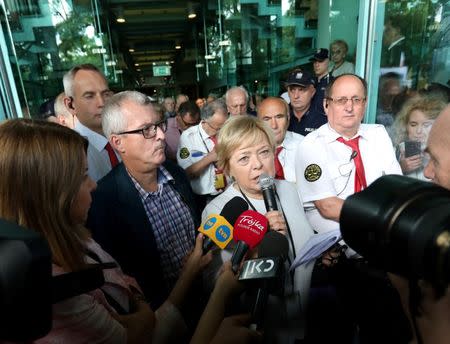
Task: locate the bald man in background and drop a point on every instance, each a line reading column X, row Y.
column 275, row 112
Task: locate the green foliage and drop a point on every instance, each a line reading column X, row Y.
column 76, row 47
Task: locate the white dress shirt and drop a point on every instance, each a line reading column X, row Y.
column 193, row 146
column 330, row 159
column 98, row 159
column 287, row 155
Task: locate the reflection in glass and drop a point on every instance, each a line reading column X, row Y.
column 413, row 126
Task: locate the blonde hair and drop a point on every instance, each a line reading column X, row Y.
column 430, row 105
column 237, row 130
column 41, row 168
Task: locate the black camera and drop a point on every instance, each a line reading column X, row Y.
column 401, row 225
column 27, row 288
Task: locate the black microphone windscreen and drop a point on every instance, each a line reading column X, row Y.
column 274, row 244
column 233, row 208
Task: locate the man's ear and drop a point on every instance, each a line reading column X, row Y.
column 61, row 120
column 325, row 106
column 68, row 102
column 116, row 142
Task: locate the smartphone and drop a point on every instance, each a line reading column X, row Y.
column 412, row 148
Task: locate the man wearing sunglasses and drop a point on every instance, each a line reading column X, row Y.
column 143, row 210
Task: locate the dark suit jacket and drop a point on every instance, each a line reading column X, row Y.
column 119, row 223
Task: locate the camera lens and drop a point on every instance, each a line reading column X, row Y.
column 401, row 225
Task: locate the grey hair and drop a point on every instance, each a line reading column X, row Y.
column 113, row 120
column 70, row 76
column 209, row 109
column 60, row 107
column 236, row 88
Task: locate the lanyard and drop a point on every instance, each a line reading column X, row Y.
column 204, row 144
column 289, row 236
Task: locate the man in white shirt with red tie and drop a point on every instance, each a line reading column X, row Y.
column 86, row 92
column 328, row 167
column 275, row 112
column 197, row 154
column 340, row 158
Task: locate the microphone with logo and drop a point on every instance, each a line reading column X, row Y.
column 249, row 230
column 218, row 229
column 267, row 185
column 265, row 273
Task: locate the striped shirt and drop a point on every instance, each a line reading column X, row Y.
column 172, row 224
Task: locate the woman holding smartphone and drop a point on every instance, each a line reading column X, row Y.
column 413, row 125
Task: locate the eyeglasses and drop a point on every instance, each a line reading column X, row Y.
column 342, row 101
column 209, row 125
column 149, row 131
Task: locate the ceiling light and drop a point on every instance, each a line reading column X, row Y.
column 178, row 46
column 120, row 17
column 136, row 64
column 131, row 50
column 191, row 10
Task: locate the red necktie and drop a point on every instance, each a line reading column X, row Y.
column 360, row 175
column 279, row 173
column 112, row 155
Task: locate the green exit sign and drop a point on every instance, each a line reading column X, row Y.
column 161, row 70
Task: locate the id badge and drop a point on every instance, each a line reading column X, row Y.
column 219, row 182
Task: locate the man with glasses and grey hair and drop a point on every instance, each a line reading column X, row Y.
column 340, row 158
column 143, row 211
column 343, row 156
column 197, row 153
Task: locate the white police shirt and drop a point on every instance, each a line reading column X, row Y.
column 193, row 146
column 324, row 167
column 290, row 144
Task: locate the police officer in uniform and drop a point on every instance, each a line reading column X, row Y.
column 303, row 118
column 197, row 154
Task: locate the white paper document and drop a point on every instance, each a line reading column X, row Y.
column 315, row 246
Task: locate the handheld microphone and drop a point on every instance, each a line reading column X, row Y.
column 266, row 271
column 268, row 189
column 217, row 228
column 249, row 230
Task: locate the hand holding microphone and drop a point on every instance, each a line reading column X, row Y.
column 275, row 218
column 276, row 222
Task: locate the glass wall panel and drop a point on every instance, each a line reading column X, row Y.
column 49, row 38
column 414, row 75
column 255, row 42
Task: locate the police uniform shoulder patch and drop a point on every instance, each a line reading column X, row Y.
column 184, row 153
column 313, row 172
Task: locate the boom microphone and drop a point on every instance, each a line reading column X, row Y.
column 267, row 185
column 217, row 228
column 249, row 230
